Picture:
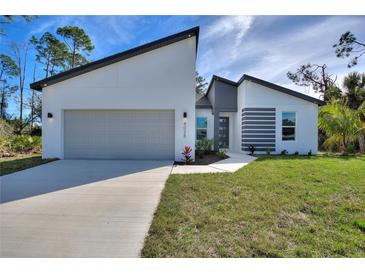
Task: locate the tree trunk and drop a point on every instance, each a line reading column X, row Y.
column 21, row 106
column 361, row 140
column 2, row 105
column 73, row 54
column 32, row 111
column 344, row 149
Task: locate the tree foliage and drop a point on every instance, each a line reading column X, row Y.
column 201, row 84
column 316, row 77
column 348, row 44
column 20, row 52
column 6, row 91
column 341, row 124
column 7, row 19
column 51, row 52
column 8, row 67
column 354, row 84
column 8, row 70
column 79, row 44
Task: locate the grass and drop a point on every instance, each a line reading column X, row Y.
column 277, row 206
column 20, row 162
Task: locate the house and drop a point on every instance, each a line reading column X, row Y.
column 141, row 104
column 254, row 112
column 137, row 104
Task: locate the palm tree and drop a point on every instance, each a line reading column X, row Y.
column 354, row 84
column 341, row 124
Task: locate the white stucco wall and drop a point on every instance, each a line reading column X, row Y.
column 160, row 79
column 204, row 112
column 254, row 95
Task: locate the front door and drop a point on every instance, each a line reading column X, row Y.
column 223, row 133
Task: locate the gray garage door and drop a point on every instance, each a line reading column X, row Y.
column 119, row 134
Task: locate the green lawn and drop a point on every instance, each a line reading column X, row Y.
column 278, row 206
column 13, row 164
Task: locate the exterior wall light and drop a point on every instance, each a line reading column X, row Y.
column 185, row 117
column 49, row 115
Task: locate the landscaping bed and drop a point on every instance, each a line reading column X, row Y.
column 205, row 159
column 277, row 206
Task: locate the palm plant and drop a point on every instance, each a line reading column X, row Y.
column 341, row 124
column 354, row 83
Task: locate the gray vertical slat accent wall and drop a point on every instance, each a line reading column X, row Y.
column 258, row 128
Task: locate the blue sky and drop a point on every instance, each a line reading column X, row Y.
column 263, row 46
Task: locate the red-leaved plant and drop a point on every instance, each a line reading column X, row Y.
column 187, row 155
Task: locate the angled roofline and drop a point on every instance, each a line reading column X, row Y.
column 266, row 84
column 38, row 85
column 218, row 78
column 199, row 104
column 281, row 89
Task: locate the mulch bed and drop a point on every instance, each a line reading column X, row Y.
column 207, row 159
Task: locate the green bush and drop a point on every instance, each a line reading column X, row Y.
column 6, row 130
column 360, row 224
column 20, row 144
column 26, row 143
column 5, row 145
column 222, row 152
column 204, row 145
column 351, row 148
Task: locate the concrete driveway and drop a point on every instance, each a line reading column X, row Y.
column 80, row 208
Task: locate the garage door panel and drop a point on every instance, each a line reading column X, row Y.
column 119, row 134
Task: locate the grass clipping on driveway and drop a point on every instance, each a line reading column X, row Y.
column 278, row 206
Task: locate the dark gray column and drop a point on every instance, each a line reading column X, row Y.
column 216, row 130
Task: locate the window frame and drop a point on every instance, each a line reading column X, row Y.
column 295, row 126
column 201, row 128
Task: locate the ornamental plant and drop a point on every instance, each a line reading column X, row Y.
column 187, row 155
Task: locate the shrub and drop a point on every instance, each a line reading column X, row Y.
column 252, row 149
column 36, row 131
column 360, row 224
column 284, row 152
column 351, row 148
column 222, row 152
column 208, row 144
column 296, row 153
column 187, row 155
column 6, row 130
column 26, row 143
column 203, row 146
column 199, row 148
column 5, row 145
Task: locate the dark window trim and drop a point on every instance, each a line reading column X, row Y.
column 295, row 127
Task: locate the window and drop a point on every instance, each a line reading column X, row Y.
column 288, row 126
column 201, row 128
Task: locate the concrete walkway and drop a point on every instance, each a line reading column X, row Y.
column 80, row 208
column 232, row 164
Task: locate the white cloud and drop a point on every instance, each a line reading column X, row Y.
column 270, row 50
column 221, row 40
column 228, row 25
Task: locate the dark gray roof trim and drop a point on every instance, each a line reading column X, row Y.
column 266, row 84
column 280, row 88
column 203, row 102
column 117, row 58
column 224, row 80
